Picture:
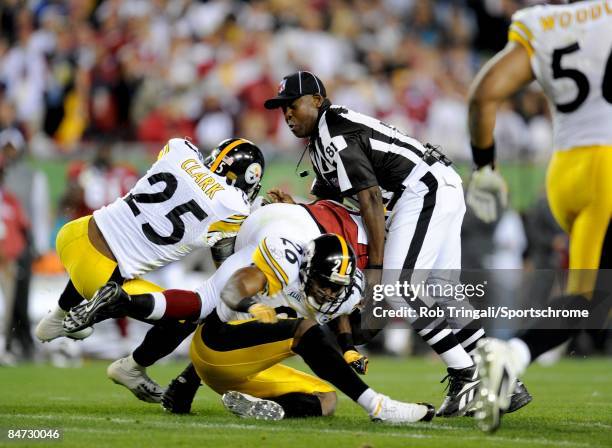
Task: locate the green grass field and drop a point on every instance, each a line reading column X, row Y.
column 572, row 407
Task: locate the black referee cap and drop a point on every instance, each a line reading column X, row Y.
column 294, row 86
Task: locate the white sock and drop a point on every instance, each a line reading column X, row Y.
column 457, row 358
column 133, row 364
column 454, row 357
column 521, row 352
column 58, row 312
column 159, row 306
column 367, row 400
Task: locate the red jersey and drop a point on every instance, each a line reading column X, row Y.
column 333, row 217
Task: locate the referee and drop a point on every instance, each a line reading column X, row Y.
column 385, row 171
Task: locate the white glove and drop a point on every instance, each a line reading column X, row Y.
column 487, row 194
column 214, row 237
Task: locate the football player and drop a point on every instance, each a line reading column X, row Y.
column 183, row 202
column 567, row 49
column 274, row 296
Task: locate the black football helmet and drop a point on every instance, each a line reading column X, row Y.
column 328, row 272
column 241, row 162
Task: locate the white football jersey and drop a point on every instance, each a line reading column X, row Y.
column 290, row 220
column 571, row 56
column 279, row 259
column 169, row 211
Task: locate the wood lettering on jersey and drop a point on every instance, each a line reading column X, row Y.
column 566, row 18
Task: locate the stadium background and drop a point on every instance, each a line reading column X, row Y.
column 134, row 73
column 82, row 78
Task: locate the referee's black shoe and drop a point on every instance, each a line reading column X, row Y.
column 462, row 387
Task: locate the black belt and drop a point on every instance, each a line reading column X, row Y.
column 395, row 198
column 431, row 156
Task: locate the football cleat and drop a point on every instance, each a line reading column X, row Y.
column 462, row 390
column 519, row 398
column 247, row 406
column 396, row 412
column 498, row 380
column 109, row 301
column 127, row 373
column 51, row 327
column 180, row 393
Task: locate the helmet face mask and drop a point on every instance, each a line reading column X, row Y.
column 324, row 296
column 241, row 162
column 328, row 273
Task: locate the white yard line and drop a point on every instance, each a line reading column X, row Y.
column 588, row 424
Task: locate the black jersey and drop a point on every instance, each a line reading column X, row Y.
column 351, row 152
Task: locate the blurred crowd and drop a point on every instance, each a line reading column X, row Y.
column 145, row 70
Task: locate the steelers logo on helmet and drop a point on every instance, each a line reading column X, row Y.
column 328, row 273
column 241, row 162
column 252, row 174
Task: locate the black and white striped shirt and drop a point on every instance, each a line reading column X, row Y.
column 351, row 152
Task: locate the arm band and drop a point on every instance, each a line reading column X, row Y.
column 345, row 341
column 244, row 305
column 483, row 156
column 374, row 266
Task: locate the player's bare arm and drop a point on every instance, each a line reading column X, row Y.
column 342, row 328
column 503, row 76
column 240, row 289
column 372, row 212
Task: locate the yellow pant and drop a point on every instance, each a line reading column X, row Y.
column 579, row 188
column 89, row 269
column 245, row 356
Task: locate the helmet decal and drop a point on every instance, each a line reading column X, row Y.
column 241, row 162
column 252, row 175
column 349, row 268
column 345, row 257
column 225, row 151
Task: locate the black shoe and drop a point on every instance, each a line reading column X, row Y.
column 519, row 398
column 108, row 302
column 462, row 388
column 180, row 393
